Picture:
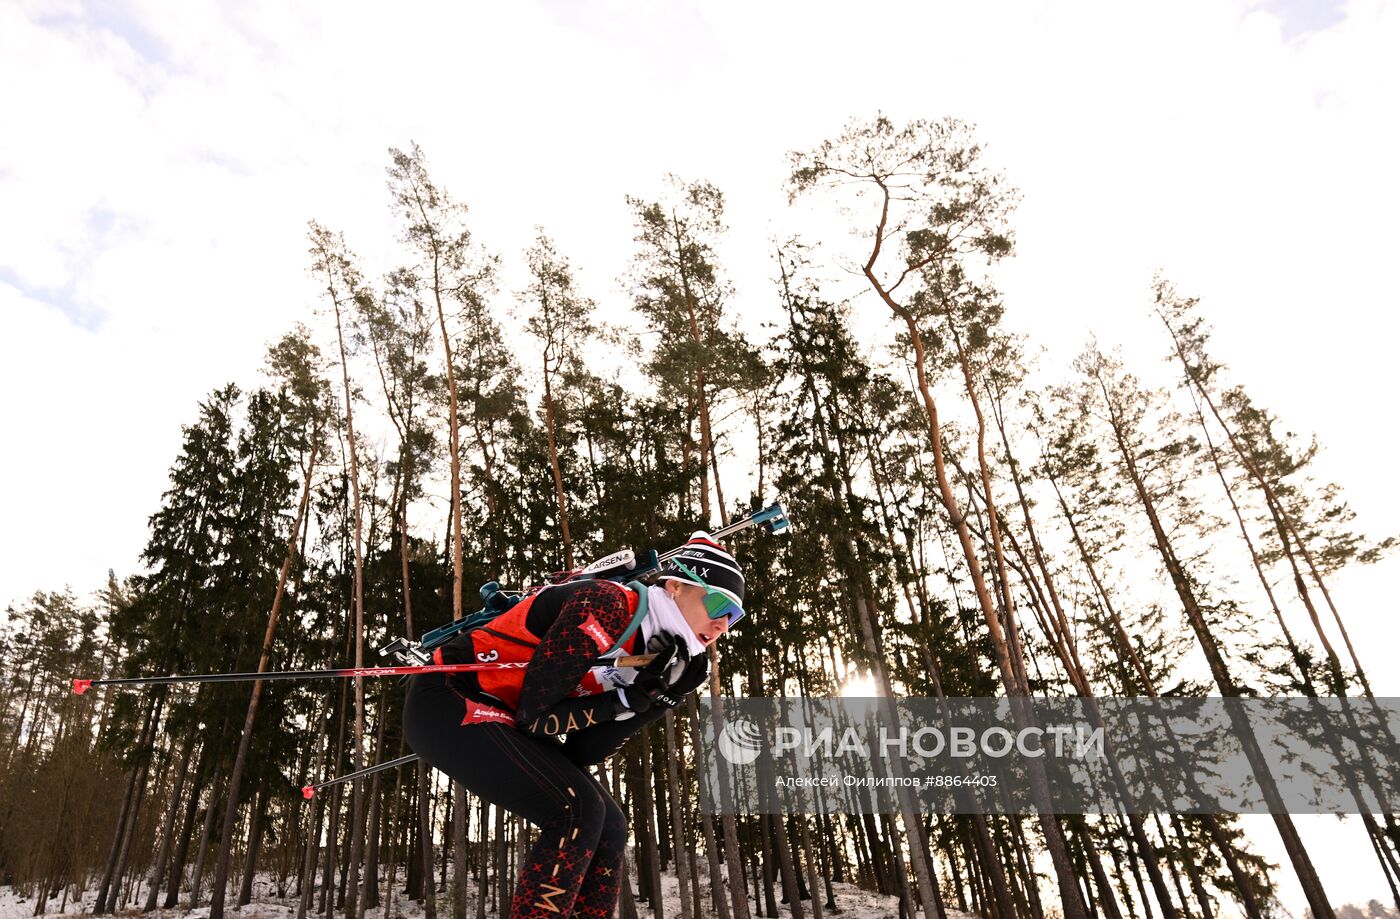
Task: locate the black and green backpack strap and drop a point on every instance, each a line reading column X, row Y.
column 640, row 590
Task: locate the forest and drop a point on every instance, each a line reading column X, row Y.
column 965, row 524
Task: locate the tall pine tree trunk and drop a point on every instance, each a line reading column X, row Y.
column 124, row 852
column 1067, row 650
column 182, row 848
column 684, row 851
column 167, row 833
column 713, row 847
column 554, row 467
column 245, row 741
column 425, row 838
column 370, row 900
column 1012, row 674
column 1195, row 615
column 201, row 847
column 459, row 851
column 109, row 875
column 358, row 602
column 250, row 861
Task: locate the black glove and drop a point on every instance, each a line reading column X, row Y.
column 695, row 675
column 652, row 687
column 687, row 674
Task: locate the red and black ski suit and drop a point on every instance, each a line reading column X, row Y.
column 498, row 734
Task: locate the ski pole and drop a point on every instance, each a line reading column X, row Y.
column 82, row 686
column 309, row 791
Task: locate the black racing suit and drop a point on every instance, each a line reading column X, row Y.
column 515, row 762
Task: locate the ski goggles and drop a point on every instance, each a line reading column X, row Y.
column 717, row 602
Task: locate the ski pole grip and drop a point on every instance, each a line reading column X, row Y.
column 308, row 791
column 81, row 686
column 634, row 660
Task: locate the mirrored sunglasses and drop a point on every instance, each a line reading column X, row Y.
column 717, row 602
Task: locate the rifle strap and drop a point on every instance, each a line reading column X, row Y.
column 640, row 590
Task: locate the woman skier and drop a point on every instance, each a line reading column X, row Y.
column 523, row 738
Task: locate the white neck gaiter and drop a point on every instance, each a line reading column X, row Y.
column 664, row 616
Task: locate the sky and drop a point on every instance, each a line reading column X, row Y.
column 158, row 164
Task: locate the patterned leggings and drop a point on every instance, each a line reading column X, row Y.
column 575, row 868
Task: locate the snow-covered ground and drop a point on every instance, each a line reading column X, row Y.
column 853, row 903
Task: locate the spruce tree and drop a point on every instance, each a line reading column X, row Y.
column 560, row 319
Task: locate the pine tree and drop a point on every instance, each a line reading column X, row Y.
column 1304, row 526
column 680, row 290
column 399, row 327
column 301, row 406
column 1151, row 470
column 450, row 269
column 561, row 321
column 936, row 206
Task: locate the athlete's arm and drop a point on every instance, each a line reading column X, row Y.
column 577, row 714
column 595, row 743
column 592, row 745
column 591, row 617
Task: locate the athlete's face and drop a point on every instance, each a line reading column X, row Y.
column 690, row 600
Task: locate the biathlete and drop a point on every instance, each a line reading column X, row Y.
column 523, row 738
